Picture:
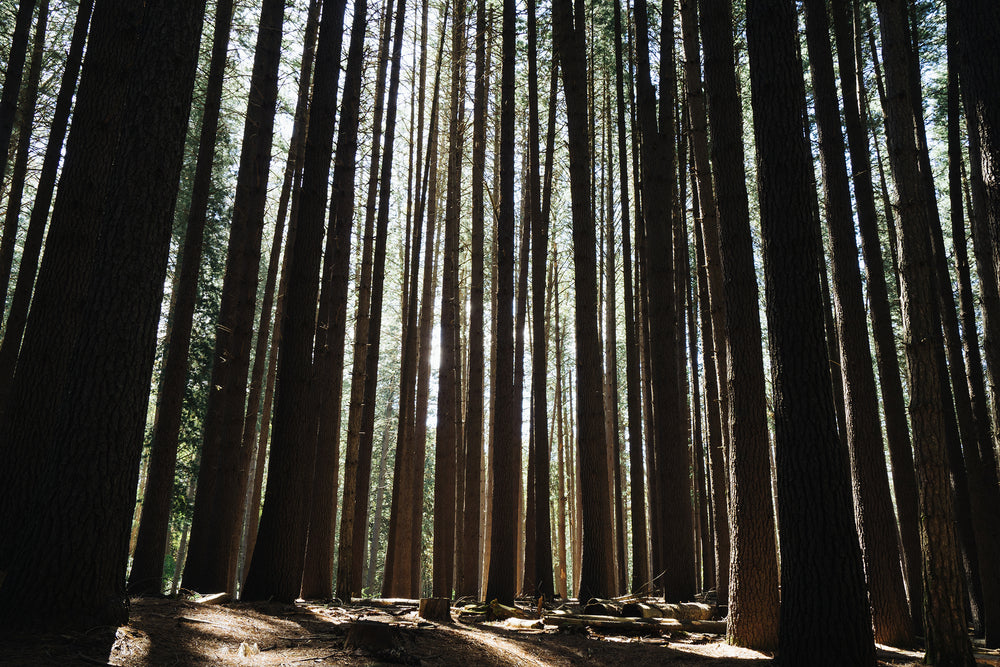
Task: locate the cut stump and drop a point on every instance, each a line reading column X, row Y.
column 435, row 609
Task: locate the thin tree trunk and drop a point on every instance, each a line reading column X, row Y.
column 448, row 441
column 376, row 531
column 473, row 430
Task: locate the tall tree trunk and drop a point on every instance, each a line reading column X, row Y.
column 221, row 477
column 896, row 428
column 872, row 501
column 349, row 583
column 980, row 456
column 406, row 477
column 332, row 324
column 448, row 413
column 597, row 578
column 947, row 640
column 640, row 554
column 279, row 554
column 146, row 575
column 822, row 579
column 79, row 438
column 708, row 226
column 753, row 570
column 473, row 428
column 501, row 579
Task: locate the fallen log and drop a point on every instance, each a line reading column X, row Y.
column 603, row 608
column 635, row 625
column 684, row 611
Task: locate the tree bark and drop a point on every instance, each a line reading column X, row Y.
column 222, row 477
column 872, row 501
column 822, row 579
column 947, row 640
column 146, row 575
column 84, row 428
column 753, row 570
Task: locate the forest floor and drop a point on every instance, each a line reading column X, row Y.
column 180, row 632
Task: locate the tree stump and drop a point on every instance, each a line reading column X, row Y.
column 435, row 609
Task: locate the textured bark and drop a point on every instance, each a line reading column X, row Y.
column 872, row 501
column 473, row 428
column 222, row 477
column 597, row 578
column 79, row 438
column 825, row 615
column 332, row 323
column 947, row 640
column 541, row 580
column 896, row 428
column 753, row 570
column 448, row 413
column 279, row 555
column 146, row 575
column 29, row 100
column 501, row 579
column 376, row 531
column 60, row 294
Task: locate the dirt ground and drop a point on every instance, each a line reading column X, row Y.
column 179, row 632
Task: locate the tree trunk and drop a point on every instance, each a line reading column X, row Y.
column 146, row 575
column 448, row 413
column 332, row 323
column 16, row 58
column 896, row 428
column 822, row 579
column 473, row 429
column 947, row 640
column 596, row 568
column 872, row 501
column 84, row 429
column 222, row 478
column 17, row 315
column 753, row 570
column 502, row 577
